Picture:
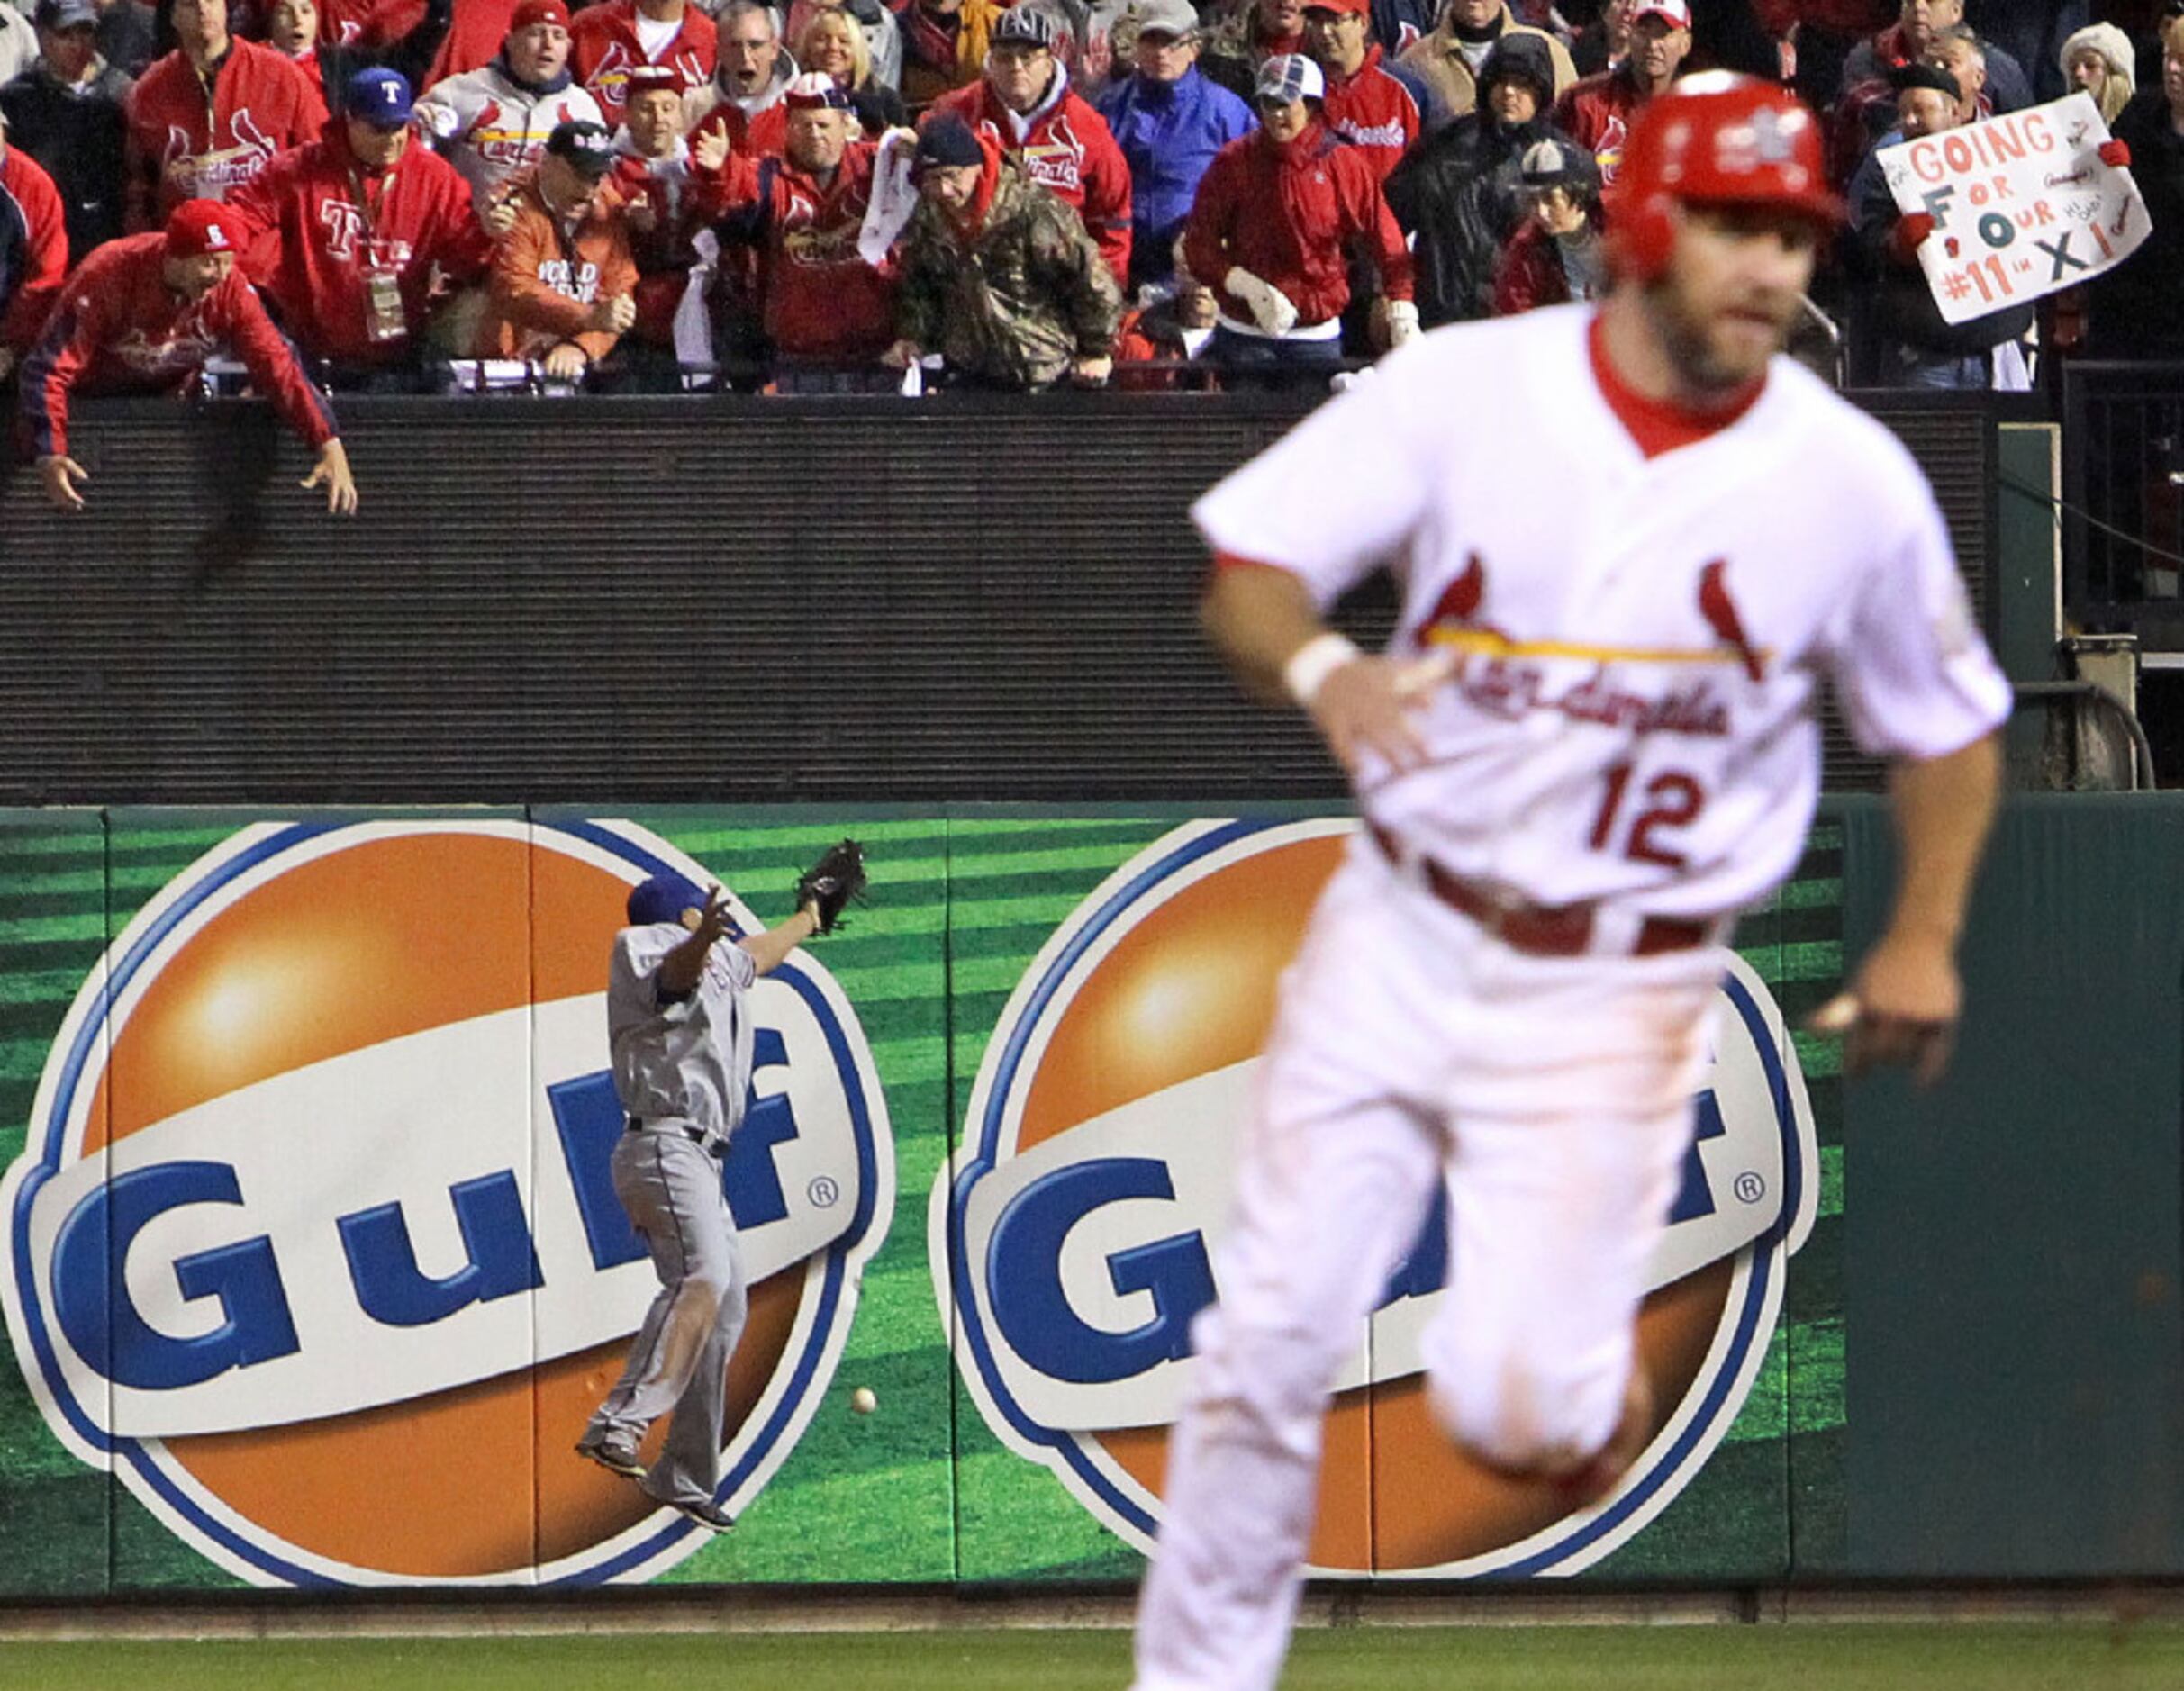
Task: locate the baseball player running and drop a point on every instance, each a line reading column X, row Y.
column 1589, row 743
column 680, row 1034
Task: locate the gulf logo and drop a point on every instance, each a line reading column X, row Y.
column 1074, row 1232
column 314, row 1237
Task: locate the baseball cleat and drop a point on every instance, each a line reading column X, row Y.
column 616, row 1453
column 705, row 1512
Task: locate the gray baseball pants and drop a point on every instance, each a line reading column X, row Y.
column 671, row 1188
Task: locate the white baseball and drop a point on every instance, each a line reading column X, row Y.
column 864, row 1400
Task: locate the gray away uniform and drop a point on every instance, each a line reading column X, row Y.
column 682, row 1071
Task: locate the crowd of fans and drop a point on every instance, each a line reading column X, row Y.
column 378, row 194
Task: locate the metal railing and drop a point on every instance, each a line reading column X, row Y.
column 2122, row 501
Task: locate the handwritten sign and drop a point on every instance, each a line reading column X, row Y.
column 2022, row 206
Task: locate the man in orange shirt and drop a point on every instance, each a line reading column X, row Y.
column 564, row 282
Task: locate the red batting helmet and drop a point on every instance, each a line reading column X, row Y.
column 1715, row 138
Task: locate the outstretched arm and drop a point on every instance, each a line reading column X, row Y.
column 769, row 950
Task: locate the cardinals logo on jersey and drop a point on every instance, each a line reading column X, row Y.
column 1075, row 1234
column 209, row 175
column 1607, row 151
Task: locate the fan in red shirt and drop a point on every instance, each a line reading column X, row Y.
column 210, row 115
column 1025, row 102
column 142, row 314
column 744, row 99
column 34, row 249
column 356, row 236
column 608, row 41
column 1379, row 106
column 666, row 209
column 1596, row 113
column 824, row 304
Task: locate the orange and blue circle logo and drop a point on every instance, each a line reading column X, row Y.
column 313, row 1240
column 1075, row 1234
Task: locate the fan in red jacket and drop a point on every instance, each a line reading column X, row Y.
column 475, row 33
column 1597, row 111
column 609, row 40
column 1377, row 105
column 33, row 250
column 1025, row 102
column 211, row 114
column 823, row 303
column 142, row 314
column 354, row 237
column 1279, row 216
column 665, row 204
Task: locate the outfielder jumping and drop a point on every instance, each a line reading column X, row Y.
column 1631, row 544
column 680, row 1033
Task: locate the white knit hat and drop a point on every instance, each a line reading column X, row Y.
column 2110, row 43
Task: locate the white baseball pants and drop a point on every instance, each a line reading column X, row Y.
column 1553, row 1095
column 671, row 1188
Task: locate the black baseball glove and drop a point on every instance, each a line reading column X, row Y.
column 832, row 882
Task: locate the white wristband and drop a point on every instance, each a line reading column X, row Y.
column 1312, row 663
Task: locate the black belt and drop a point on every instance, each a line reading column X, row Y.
column 715, row 1148
column 1541, row 930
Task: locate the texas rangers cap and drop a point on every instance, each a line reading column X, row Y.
column 662, row 899
column 815, row 91
column 585, row 146
column 1174, row 19
column 539, row 11
column 196, row 227
column 945, row 143
column 646, row 78
column 1675, row 13
column 1023, row 25
column 67, row 14
column 1289, row 77
column 378, row 96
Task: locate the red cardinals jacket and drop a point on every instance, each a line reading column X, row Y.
column 120, row 328
column 603, row 48
column 473, row 37
column 188, row 141
column 822, row 301
column 674, row 194
column 1066, row 147
column 763, row 134
column 1291, row 215
column 1376, row 111
column 367, row 23
column 1596, row 114
column 33, row 248
column 317, row 219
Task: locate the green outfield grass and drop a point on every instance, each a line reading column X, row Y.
column 1803, row 1657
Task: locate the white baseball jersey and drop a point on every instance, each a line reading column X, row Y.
column 492, row 128
column 1638, row 640
column 685, row 1060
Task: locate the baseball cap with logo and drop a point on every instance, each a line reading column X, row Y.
column 1675, row 13
column 1918, row 73
column 67, row 14
column 584, row 145
column 1289, row 77
column 538, row 12
column 815, row 91
column 378, row 96
column 198, row 228
column 1024, row 25
column 1171, row 18
column 945, row 143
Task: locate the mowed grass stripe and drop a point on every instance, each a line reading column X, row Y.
column 1859, row 1656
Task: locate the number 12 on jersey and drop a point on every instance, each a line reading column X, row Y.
column 1672, row 799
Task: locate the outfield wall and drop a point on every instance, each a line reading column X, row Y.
column 312, row 1273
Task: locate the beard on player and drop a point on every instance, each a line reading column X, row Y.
column 1725, row 302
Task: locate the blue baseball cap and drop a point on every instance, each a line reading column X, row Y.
column 378, row 96
column 662, row 899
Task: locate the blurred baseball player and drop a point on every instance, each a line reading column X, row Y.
column 680, row 1034
column 1589, row 744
